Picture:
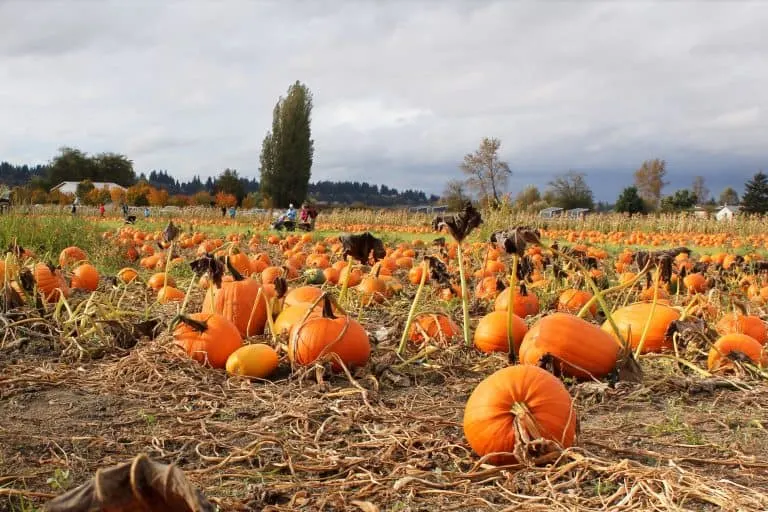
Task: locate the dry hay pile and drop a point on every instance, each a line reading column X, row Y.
column 387, row 439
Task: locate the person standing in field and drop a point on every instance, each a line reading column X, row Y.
column 232, row 211
column 102, row 210
column 146, row 212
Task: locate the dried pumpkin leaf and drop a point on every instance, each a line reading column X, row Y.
column 141, row 484
column 438, row 271
column 361, row 246
column 461, row 224
column 514, row 241
column 170, row 232
column 207, row 263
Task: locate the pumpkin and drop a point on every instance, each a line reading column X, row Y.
column 488, row 288
column 372, row 289
column 168, row 294
column 631, row 322
column 127, row 275
column 85, row 277
column 743, row 324
column 695, row 283
column 317, row 338
column 331, row 275
column 572, row 300
column 735, row 347
column 257, row 361
column 236, row 301
column 160, row 280
column 314, row 276
column 50, row 282
column 521, row 397
column 293, row 315
column 524, row 304
column 578, row 348
column 414, row 275
column 432, row 326
column 239, row 261
column 491, row 332
column 355, row 276
column 72, row 255
column 207, row 338
column 302, row 294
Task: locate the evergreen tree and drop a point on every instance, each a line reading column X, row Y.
column 288, row 149
column 229, row 182
column 630, row 201
column 755, row 198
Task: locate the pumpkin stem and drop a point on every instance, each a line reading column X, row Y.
column 464, row 294
column 237, row 276
column 511, row 311
column 345, row 284
column 647, row 325
column 414, row 306
column 197, row 325
column 328, row 309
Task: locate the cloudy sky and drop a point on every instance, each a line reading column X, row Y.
column 402, row 89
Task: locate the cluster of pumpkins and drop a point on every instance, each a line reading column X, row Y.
column 522, row 396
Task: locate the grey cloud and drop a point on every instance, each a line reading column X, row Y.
column 402, row 89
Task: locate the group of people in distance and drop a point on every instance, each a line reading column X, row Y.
column 288, row 220
column 306, row 218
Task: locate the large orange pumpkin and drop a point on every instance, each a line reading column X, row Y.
column 236, row 301
column 735, row 347
column 85, row 277
column 317, row 338
column 736, row 323
column 207, row 337
column 525, row 395
column 631, row 322
column 491, row 332
column 578, row 348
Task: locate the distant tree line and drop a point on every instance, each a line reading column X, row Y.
column 486, row 176
column 160, row 188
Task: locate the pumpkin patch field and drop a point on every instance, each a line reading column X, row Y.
column 463, row 362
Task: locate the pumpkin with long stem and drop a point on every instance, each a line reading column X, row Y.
column 328, row 336
column 517, row 406
column 239, row 300
column 207, row 337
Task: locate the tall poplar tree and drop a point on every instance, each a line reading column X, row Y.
column 288, row 149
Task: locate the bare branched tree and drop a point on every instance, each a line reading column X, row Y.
column 487, row 174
